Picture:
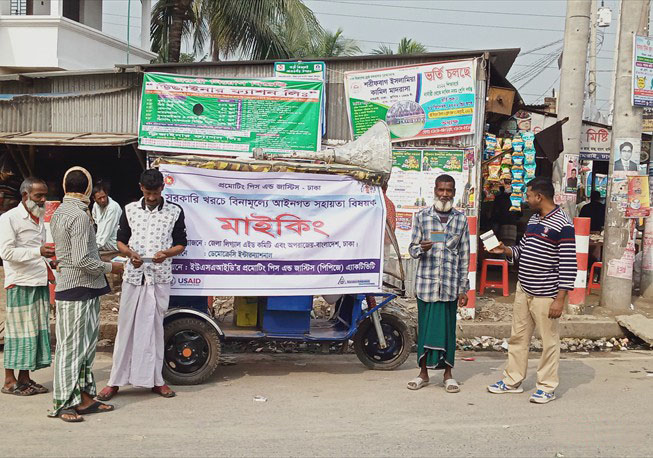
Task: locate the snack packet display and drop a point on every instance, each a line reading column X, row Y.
column 517, row 159
column 517, row 144
column 507, row 144
column 530, row 171
column 515, row 202
column 494, row 172
column 506, row 172
column 518, row 187
column 529, row 157
column 518, row 173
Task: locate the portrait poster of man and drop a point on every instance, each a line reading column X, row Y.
column 627, row 155
column 571, row 171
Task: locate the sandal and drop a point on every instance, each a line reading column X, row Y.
column 73, row 416
column 24, row 389
column 451, row 386
column 96, row 407
column 40, row 389
column 107, row 393
column 164, row 390
column 417, row 383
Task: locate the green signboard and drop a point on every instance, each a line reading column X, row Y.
column 190, row 114
column 307, row 70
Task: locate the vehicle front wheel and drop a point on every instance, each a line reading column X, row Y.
column 192, row 351
column 398, row 339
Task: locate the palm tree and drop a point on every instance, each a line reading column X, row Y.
column 233, row 27
column 325, row 44
column 406, row 46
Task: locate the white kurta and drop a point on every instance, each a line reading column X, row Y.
column 139, row 349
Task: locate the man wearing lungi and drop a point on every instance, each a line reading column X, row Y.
column 80, row 284
column 23, row 251
column 152, row 231
column 440, row 241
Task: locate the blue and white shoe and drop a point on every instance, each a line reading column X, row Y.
column 501, row 388
column 542, row 397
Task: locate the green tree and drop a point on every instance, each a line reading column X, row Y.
column 322, row 45
column 406, row 46
column 247, row 29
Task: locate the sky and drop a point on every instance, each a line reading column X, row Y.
column 448, row 25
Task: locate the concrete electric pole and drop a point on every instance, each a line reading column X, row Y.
column 572, row 94
column 591, row 75
column 616, row 275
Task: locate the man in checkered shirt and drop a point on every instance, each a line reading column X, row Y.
column 440, row 242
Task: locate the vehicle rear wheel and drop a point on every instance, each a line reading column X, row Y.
column 398, row 340
column 192, row 351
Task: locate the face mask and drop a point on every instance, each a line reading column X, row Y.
column 441, row 206
column 34, row 208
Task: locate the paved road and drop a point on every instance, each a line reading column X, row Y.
column 331, row 406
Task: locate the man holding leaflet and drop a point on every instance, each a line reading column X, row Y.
column 440, row 242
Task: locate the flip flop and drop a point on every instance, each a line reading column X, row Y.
column 95, row 408
column 107, row 393
column 417, row 383
column 40, row 389
column 165, row 394
column 451, row 386
column 77, row 418
column 24, row 389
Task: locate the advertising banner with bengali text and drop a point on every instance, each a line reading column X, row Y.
column 276, row 234
column 420, row 101
column 219, row 116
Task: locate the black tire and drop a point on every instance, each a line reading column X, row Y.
column 192, row 351
column 398, row 337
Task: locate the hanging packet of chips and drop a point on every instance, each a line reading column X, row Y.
column 507, row 144
column 494, row 172
column 506, row 172
column 529, row 141
column 517, row 159
column 518, row 187
column 530, row 172
column 515, row 202
column 517, row 144
column 529, row 157
column 518, row 173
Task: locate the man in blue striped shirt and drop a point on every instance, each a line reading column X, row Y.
column 547, row 270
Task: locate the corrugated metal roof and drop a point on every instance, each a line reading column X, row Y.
column 67, row 139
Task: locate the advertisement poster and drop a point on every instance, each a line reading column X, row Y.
column 619, row 192
column 571, row 173
column 189, row 114
column 601, row 184
column 638, row 197
column 315, row 71
column 276, row 234
column 412, row 182
column 643, row 72
column 623, row 267
column 420, row 101
column 627, row 155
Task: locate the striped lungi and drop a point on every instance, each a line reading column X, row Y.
column 27, row 333
column 78, row 325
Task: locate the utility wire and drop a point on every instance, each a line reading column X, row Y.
column 423, row 8
column 460, row 24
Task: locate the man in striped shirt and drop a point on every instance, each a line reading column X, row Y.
column 547, row 270
column 80, row 284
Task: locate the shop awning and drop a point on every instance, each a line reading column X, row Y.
column 67, row 139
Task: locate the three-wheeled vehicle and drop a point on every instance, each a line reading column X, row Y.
column 381, row 330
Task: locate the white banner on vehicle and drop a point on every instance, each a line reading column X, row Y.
column 276, row 234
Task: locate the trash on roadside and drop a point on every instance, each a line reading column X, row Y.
column 260, row 399
column 469, row 359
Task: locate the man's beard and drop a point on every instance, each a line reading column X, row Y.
column 35, row 208
column 443, row 206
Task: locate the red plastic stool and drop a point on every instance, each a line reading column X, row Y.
column 503, row 284
column 591, row 284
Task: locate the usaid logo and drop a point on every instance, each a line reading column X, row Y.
column 189, row 281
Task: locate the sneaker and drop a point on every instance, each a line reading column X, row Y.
column 500, row 388
column 542, row 397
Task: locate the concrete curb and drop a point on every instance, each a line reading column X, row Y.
column 577, row 329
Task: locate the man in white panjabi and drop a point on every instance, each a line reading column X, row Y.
column 152, row 231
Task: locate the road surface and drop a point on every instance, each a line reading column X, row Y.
column 330, row 405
